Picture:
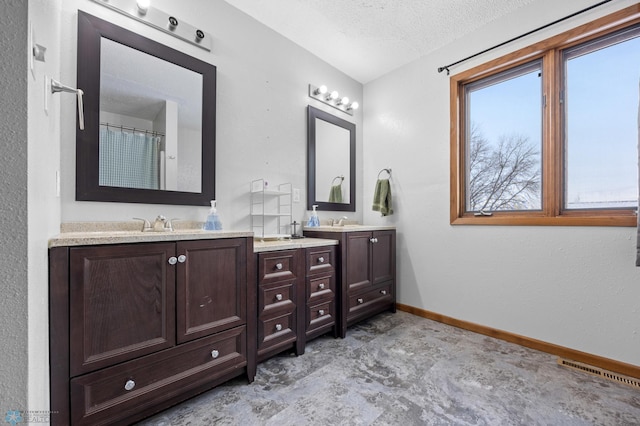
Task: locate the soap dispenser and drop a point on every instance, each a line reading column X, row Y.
column 213, row 220
column 313, row 219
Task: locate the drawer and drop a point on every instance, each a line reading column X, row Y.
column 278, row 266
column 321, row 315
column 322, row 287
column 276, row 330
column 371, row 299
column 320, row 259
column 276, row 297
column 118, row 392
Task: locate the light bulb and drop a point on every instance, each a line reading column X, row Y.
column 354, row 105
column 320, row 90
column 343, row 101
column 143, row 6
column 333, row 95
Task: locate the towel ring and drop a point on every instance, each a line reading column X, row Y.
column 337, row 177
column 384, row 170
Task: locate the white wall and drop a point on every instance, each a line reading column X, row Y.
column 572, row 286
column 43, row 199
column 262, row 81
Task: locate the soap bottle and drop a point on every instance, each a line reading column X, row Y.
column 213, row 220
column 313, row 219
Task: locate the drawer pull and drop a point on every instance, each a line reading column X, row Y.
column 182, row 258
column 278, row 327
column 383, row 291
column 278, row 266
column 129, row 385
column 321, row 286
column 173, row 260
column 360, row 300
column 321, row 312
column 321, row 259
column 278, row 297
column 215, row 354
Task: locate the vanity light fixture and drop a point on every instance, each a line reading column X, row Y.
column 142, row 11
column 322, row 94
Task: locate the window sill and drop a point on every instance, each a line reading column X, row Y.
column 573, row 219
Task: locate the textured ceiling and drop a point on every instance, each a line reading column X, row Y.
column 368, row 38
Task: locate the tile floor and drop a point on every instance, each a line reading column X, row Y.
column 400, row 369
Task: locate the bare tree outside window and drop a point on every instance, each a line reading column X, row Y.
column 503, row 175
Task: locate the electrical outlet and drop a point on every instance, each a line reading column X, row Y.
column 296, row 195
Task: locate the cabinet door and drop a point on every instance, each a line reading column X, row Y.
column 383, row 252
column 122, row 300
column 358, row 256
column 211, row 287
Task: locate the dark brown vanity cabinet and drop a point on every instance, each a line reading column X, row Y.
column 367, row 273
column 320, row 292
column 138, row 327
column 280, row 298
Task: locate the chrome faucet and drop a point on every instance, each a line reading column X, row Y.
column 339, row 222
column 161, row 224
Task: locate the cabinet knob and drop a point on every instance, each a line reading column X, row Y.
column 278, row 327
column 321, row 286
column 278, row 297
column 278, row 266
column 173, row 260
column 360, row 300
column 383, row 291
column 321, row 259
column 182, row 258
column 129, row 385
column 321, row 312
column 215, row 354
column 373, row 240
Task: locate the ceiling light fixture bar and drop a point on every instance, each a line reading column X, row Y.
column 332, row 98
column 142, row 11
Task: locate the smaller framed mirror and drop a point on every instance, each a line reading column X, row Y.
column 331, row 160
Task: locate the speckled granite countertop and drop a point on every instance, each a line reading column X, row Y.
column 260, row 246
column 348, row 228
column 92, row 233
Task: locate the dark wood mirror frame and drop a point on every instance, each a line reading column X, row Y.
column 312, row 115
column 90, row 31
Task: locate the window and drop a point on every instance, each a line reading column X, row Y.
column 548, row 135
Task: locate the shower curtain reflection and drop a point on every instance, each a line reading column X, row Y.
column 129, row 159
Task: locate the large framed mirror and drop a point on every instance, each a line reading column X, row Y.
column 331, row 162
column 150, row 114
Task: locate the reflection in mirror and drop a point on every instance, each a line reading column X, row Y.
column 150, row 120
column 332, row 165
column 330, row 161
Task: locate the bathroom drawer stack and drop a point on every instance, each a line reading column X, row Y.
column 138, row 327
column 320, row 291
column 367, row 273
column 280, row 298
